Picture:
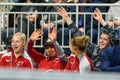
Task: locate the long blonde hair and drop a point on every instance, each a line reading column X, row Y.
column 79, row 43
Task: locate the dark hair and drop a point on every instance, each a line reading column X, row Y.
column 48, row 43
column 112, row 34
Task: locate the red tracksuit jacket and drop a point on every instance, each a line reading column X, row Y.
column 8, row 60
column 44, row 63
column 79, row 65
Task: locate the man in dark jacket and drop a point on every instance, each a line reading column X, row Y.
column 111, row 59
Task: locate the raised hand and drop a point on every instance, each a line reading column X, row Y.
column 52, row 35
column 62, row 12
column 36, row 35
column 98, row 15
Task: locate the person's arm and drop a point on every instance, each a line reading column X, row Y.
column 106, row 64
column 63, row 13
column 60, row 52
column 58, row 22
column 74, row 30
column 31, row 51
column 42, row 21
column 61, row 20
column 98, row 17
column 52, row 36
column 32, row 17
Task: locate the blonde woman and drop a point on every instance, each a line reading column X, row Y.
column 17, row 58
column 78, row 60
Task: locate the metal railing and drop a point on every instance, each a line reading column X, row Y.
column 35, row 75
column 5, row 13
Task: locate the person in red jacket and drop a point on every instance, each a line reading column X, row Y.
column 48, row 61
column 16, row 59
column 78, row 60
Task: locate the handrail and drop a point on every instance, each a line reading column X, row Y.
column 60, row 4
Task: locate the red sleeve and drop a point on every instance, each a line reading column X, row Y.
column 73, row 64
column 34, row 54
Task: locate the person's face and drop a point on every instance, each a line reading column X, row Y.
column 104, row 41
column 57, row 1
column 17, row 44
column 71, row 49
column 50, row 51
